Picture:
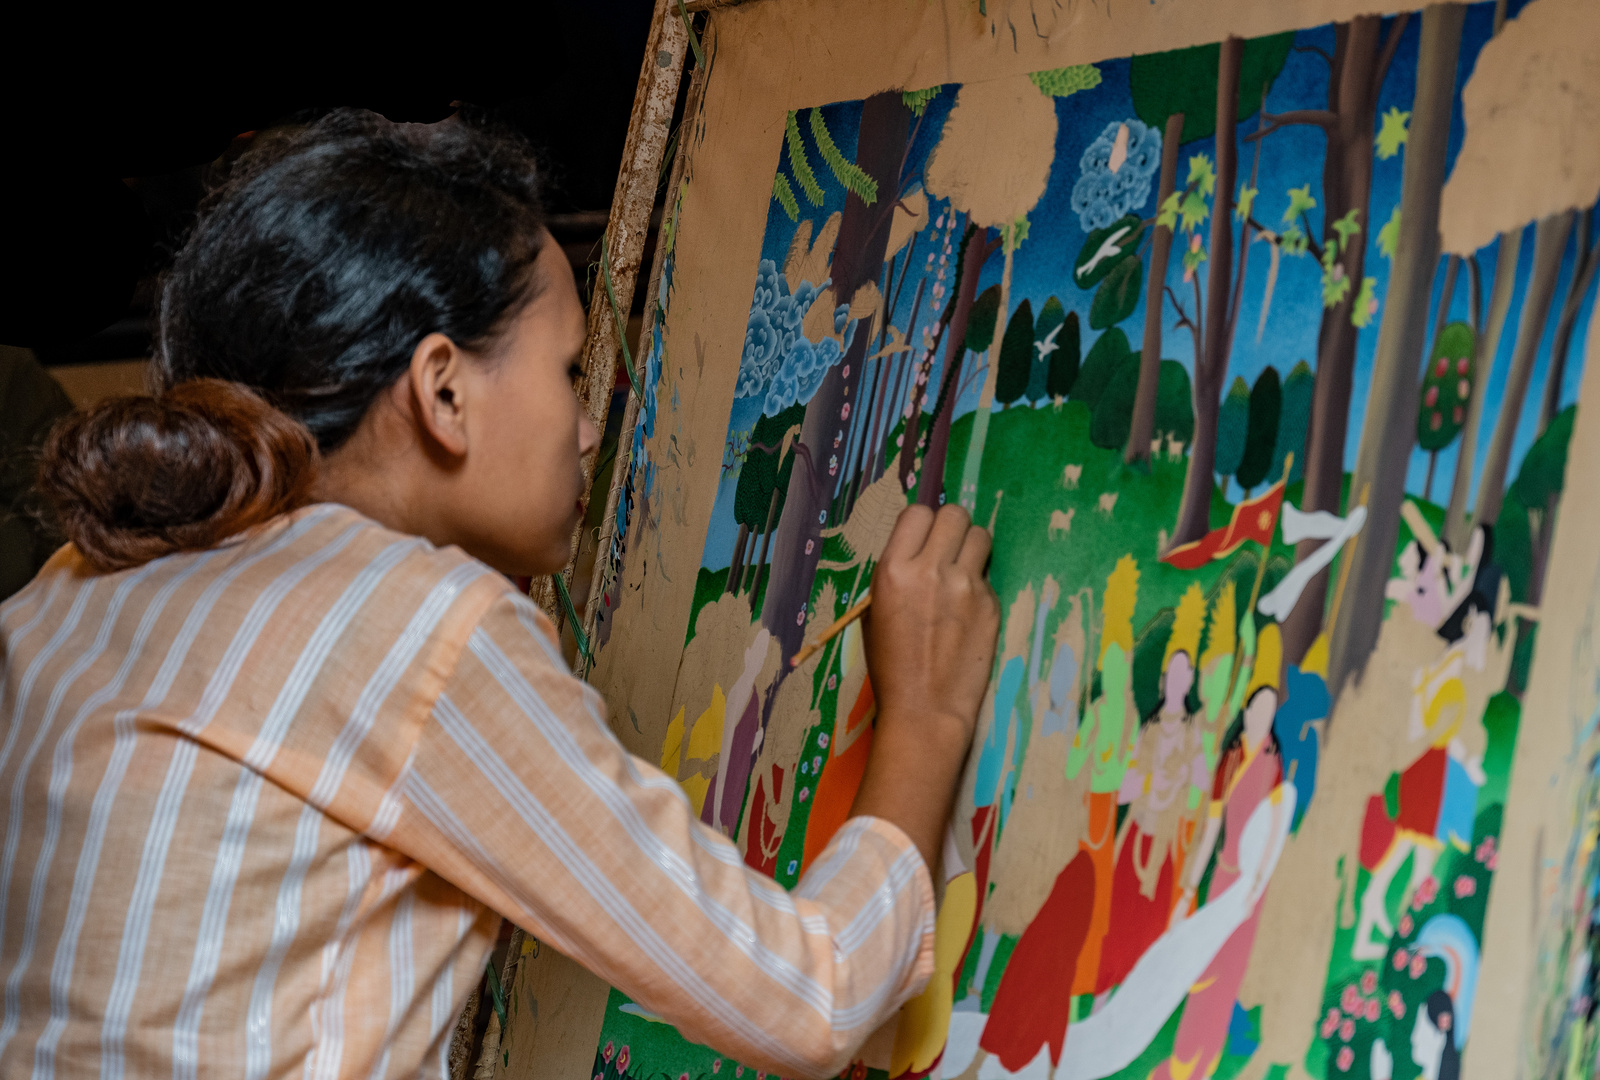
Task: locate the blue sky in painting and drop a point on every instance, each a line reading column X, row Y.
column 1289, row 158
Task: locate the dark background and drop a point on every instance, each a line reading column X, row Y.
column 109, row 154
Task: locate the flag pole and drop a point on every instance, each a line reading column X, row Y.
column 1255, row 590
column 1344, row 568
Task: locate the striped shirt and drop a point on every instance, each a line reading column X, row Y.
column 265, row 805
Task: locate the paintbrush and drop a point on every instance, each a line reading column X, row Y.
column 833, row 631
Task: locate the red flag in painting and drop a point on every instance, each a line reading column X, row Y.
column 1254, row 519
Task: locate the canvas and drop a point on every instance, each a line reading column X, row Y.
column 1262, row 365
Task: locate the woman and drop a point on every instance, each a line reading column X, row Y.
column 284, row 748
column 1250, row 775
column 1155, row 789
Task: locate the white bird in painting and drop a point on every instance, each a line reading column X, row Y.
column 1106, row 250
column 1048, row 344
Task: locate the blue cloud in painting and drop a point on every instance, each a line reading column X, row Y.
column 1103, row 193
column 778, row 363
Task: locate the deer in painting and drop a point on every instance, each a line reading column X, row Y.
column 1071, row 475
column 1174, row 448
column 1108, row 503
column 1061, row 522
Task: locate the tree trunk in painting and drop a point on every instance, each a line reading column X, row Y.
column 857, row 259
column 1549, row 244
column 1144, row 401
column 1211, row 368
column 1484, row 348
column 736, row 564
column 1582, row 277
column 1353, row 87
column 930, row 481
column 917, row 395
column 1389, row 429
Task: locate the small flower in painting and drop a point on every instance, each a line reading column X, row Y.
column 606, row 1054
column 1347, row 1030
column 622, row 1059
column 1369, row 982
column 1346, row 1058
column 716, row 1066
column 1397, row 1004
column 1419, row 964
column 1400, row 958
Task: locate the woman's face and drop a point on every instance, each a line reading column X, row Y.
column 1258, row 714
column 529, row 433
column 1180, row 677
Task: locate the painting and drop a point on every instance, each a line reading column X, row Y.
column 1270, row 423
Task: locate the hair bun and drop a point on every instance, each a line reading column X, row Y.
column 136, row 478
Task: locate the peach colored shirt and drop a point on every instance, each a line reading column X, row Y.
column 265, row 805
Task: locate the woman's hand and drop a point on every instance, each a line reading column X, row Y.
column 930, row 641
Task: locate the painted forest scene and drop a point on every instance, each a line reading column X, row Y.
column 1272, row 475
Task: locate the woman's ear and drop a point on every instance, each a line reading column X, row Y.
column 437, row 376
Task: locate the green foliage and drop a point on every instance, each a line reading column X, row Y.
column 1346, row 227
column 785, row 196
column 1266, row 406
column 1245, row 202
column 1389, row 235
column 851, row 176
column 1544, row 470
column 917, row 100
column 1300, row 202
column 1185, row 80
column 1064, row 82
column 1233, row 424
column 1392, row 133
column 1098, row 367
column 1012, row 236
column 1175, row 402
column 1016, row 355
column 1202, row 175
column 1167, row 215
column 1065, row 359
column 1118, row 294
column 1294, row 422
column 980, row 321
column 1335, row 282
column 1113, row 413
column 762, row 471
column 798, row 163
column 1366, row 305
column 1106, row 249
column 1446, row 388
column 1513, row 544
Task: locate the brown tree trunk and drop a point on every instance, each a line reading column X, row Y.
column 1484, row 347
column 1346, row 186
column 736, row 564
column 1549, row 245
column 766, row 546
column 1389, row 429
column 919, row 394
column 930, row 481
column 857, row 259
column 1582, row 277
column 1194, row 513
column 1144, row 402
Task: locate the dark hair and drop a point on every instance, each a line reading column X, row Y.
column 1439, row 1006
column 310, row 276
column 140, row 477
